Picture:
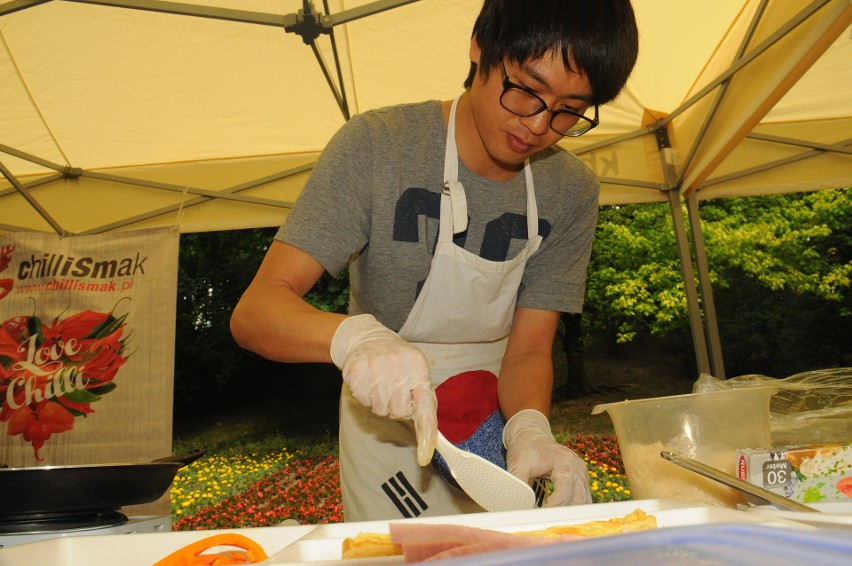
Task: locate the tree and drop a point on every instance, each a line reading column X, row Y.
column 331, row 294
column 634, row 283
column 780, row 267
column 797, row 242
column 214, row 270
column 211, row 370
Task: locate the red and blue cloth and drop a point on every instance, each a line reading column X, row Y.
column 469, row 416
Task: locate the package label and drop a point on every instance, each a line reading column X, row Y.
column 809, row 474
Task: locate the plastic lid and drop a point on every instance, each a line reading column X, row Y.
column 722, row 544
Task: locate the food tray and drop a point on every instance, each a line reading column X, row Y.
column 311, row 545
column 142, row 549
column 709, row 545
column 323, row 545
column 834, row 515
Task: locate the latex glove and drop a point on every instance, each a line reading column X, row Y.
column 532, row 452
column 389, row 375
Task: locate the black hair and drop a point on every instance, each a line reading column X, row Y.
column 596, row 37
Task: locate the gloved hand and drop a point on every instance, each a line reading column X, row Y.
column 531, row 452
column 389, row 375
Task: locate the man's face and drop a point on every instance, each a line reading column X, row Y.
column 508, row 139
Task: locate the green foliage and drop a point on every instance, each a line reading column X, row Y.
column 796, row 242
column 214, row 270
column 330, row 294
column 211, row 370
column 634, row 283
column 781, row 267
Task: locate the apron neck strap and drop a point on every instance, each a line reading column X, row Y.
column 452, row 192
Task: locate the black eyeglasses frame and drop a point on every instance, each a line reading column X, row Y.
column 508, row 85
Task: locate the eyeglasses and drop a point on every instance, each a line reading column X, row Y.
column 522, row 101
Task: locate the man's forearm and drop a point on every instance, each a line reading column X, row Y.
column 526, row 382
column 274, row 322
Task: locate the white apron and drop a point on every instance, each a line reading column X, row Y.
column 464, row 298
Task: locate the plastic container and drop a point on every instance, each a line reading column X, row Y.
column 708, row 427
column 708, row 545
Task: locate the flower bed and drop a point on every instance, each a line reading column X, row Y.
column 250, row 490
column 607, row 479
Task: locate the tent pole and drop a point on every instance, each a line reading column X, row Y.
column 16, row 5
column 339, row 95
column 696, row 323
column 714, row 342
column 695, row 319
column 19, row 187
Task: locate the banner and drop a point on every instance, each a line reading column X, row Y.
column 87, row 333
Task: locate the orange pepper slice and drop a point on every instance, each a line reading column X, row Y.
column 192, row 554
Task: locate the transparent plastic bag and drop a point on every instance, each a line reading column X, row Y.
column 812, row 407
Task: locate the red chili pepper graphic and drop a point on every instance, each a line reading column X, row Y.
column 6, row 256
column 56, row 370
column 5, row 287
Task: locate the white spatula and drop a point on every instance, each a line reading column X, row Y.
column 492, row 487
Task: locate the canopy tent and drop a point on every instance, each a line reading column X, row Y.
column 208, row 114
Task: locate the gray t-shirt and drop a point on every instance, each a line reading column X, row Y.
column 374, row 198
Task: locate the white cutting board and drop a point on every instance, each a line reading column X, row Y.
column 321, row 544
column 142, row 549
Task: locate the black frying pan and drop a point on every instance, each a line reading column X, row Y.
column 87, row 488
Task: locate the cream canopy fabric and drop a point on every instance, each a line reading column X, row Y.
column 114, row 118
column 208, row 114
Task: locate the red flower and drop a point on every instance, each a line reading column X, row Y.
column 38, row 422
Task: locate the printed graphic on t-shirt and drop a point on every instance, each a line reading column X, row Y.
column 498, row 235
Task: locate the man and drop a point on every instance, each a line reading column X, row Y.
column 466, row 234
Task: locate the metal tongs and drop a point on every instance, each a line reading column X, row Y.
column 754, row 494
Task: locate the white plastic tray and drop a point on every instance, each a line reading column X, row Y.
column 835, row 515
column 141, row 549
column 321, row 544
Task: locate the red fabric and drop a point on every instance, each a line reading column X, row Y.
column 464, row 402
